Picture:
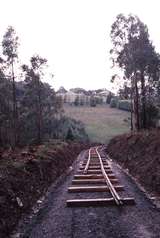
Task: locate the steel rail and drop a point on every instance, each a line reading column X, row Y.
column 109, row 184
column 88, row 161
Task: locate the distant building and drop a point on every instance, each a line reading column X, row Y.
column 79, row 96
column 67, row 96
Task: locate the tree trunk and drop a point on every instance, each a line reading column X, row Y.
column 131, row 105
column 14, row 119
column 39, row 136
column 143, row 94
column 136, row 103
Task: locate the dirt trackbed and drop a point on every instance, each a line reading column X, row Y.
column 55, row 220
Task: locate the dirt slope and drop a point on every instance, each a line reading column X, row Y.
column 26, row 174
column 140, row 154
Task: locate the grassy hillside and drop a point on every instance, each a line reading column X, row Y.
column 102, row 122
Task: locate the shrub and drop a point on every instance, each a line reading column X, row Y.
column 152, row 115
column 77, row 102
column 124, row 105
column 70, row 129
column 109, row 97
column 114, row 102
column 93, row 102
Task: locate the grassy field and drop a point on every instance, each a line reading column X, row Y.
column 102, row 123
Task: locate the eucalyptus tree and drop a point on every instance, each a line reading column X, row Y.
column 34, row 89
column 5, row 107
column 10, row 51
column 134, row 53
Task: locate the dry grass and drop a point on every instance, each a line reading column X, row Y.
column 102, row 123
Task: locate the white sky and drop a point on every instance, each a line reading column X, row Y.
column 74, row 35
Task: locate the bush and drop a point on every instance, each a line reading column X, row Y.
column 124, row 105
column 113, row 102
column 93, row 102
column 109, row 97
column 76, row 102
column 152, row 115
column 70, row 129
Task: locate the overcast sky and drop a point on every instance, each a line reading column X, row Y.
column 74, row 35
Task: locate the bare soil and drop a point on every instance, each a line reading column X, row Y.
column 25, row 176
column 140, row 154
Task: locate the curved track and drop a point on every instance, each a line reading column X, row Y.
column 95, row 175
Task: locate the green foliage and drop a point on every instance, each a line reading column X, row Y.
column 10, row 44
column 10, row 53
column 69, row 129
column 35, row 92
column 70, row 135
column 5, row 110
column 98, row 100
column 76, row 102
column 39, row 114
column 78, row 90
column 132, row 50
column 109, row 97
column 124, row 105
column 93, row 101
column 51, row 106
column 55, row 125
column 135, row 54
column 62, row 90
column 113, row 102
column 124, row 92
column 152, row 112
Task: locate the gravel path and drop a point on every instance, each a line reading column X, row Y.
column 55, row 220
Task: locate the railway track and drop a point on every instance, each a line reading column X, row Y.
column 95, row 175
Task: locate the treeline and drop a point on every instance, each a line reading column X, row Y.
column 135, row 54
column 30, row 112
